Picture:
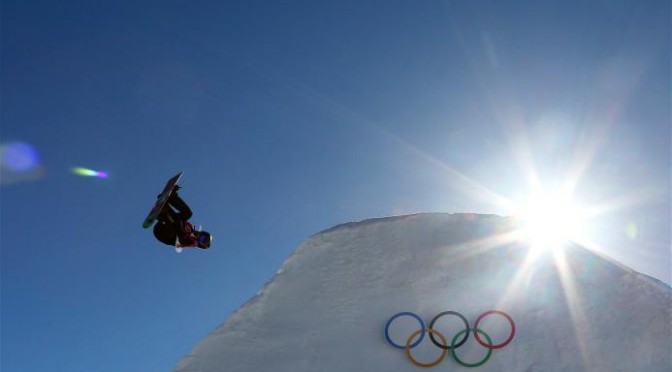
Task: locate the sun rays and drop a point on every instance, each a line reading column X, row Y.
column 551, row 220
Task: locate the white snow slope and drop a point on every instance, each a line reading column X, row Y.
column 327, row 307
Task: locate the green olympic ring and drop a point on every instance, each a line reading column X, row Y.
column 453, row 348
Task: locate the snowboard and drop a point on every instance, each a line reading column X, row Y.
column 162, row 200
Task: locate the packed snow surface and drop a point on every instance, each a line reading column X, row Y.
column 328, row 306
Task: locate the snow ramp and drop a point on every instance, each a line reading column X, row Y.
column 328, row 306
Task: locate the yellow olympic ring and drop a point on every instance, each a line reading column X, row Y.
column 434, row 363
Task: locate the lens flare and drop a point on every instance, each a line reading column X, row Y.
column 631, row 231
column 19, row 157
column 19, row 162
column 85, row 172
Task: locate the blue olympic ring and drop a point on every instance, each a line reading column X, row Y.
column 407, row 313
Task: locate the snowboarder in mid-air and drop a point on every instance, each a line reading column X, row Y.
column 172, row 216
column 173, row 227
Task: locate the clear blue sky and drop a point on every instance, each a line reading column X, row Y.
column 291, row 117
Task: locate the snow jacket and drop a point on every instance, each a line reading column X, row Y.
column 173, row 226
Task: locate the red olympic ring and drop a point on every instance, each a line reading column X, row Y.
column 501, row 345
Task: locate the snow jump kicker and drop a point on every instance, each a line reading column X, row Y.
column 454, row 344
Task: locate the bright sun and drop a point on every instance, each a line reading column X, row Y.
column 551, row 220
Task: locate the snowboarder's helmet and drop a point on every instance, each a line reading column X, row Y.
column 203, row 240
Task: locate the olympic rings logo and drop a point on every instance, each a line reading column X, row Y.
column 443, row 344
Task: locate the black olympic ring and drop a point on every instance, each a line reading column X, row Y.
column 452, row 346
column 466, row 326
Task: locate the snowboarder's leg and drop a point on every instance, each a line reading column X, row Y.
column 184, row 212
column 168, row 215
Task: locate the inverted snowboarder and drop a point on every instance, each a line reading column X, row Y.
column 172, row 215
